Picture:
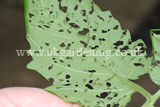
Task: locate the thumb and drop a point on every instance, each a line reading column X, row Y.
column 30, row 97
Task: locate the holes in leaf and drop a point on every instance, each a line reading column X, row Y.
column 94, row 37
column 63, row 8
column 108, row 84
column 95, row 30
column 102, row 39
column 108, row 105
column 33, row 1
column 84, row 43
column 124, row 48
column 118, row 43
column 47, row 44
column 68, row 31
column 76, row 7
column 61, row 61
column 73, row 25
column 91, row 81
column 83, row 12
column 84, row 31
column 51, row 12
column 138, row 64
column 91, row 71
column 67, row 84
column 125, row 32
column 116, row 105
column 50, row 67
column 69, row 65
column 104, row 31
column 36, row 52
column 51, row 80
column 95, row 47
column 67, row 19
column 61, row 30
column 65, row 96
column 116, row 27
column 68, row 76
column 30, row 15
column 92, row 10
column 46, row 26
column 85, row 20
column 80, row 1
column 103, row 95
column 100, row 17
column 89, row 86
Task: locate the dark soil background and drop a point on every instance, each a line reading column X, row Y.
column 139, row 16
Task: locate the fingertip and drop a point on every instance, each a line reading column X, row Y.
column 29, row 97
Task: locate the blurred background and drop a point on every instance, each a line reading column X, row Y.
column 139, row 16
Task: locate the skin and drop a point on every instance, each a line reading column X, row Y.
column 30, row 97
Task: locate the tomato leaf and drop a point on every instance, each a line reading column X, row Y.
column 56, row 28
column 155, row 68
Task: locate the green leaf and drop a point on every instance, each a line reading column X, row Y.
column 155, row 74
column 156, row 44
column 80, row 26
column 155, row 68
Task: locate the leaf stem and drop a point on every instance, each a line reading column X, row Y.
column 25, row 15
column 133, row 85
column 155, row 97
column 137, row 88
column 152, row 101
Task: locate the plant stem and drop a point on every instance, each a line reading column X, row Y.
column 137, row 88
column 132, row 85
column 152, row 101
column 25, row 15
column 156, row 96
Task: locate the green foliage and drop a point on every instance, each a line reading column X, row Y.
column 155, row 69
column 155, row 74
column 74, row 25
column 156, row 44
